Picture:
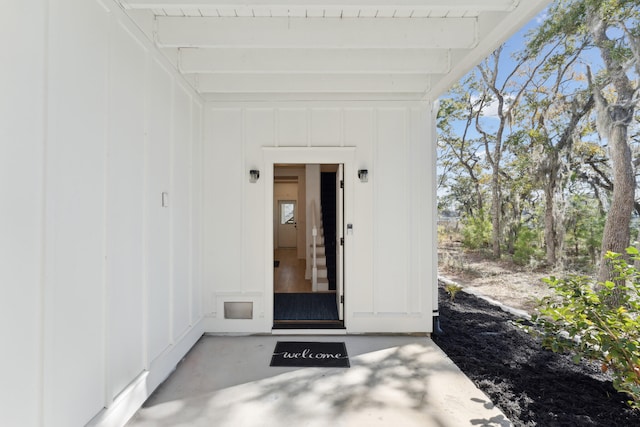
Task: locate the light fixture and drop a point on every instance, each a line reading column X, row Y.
column 363, row 174
column 254, row 174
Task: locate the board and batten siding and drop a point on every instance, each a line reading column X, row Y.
column 390, row 257
column 106, row 295
column 22, row 154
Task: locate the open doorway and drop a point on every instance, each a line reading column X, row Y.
column 308, row 246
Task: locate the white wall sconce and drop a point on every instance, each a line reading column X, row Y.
column 254, row 175
column 363, row 175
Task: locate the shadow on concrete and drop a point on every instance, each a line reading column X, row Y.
column 395, row 381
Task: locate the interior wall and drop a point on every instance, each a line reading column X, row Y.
column 284, row 191
column 390, row 260
column 108, row 286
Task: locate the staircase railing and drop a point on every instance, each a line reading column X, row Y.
column 314, row 235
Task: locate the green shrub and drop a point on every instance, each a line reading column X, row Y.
column 525, row 247
column 452, row 289
column 476, row 231
column 579, row 320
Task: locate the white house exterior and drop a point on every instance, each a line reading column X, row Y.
column 128, row 219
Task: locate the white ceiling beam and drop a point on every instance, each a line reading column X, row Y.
column 224, row 98
column 310, row 83
column 435, row 5
column 308, row 33
column 332, row 61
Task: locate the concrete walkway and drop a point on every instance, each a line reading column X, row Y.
column 397, row 381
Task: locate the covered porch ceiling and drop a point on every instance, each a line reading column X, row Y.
column 256, row 50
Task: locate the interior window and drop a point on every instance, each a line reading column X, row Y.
column 287, row 213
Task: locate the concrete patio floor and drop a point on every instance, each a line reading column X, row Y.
column 399, row 381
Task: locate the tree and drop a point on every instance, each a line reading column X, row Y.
column 612, row 26
column 460, row 148
column 558, row 104
column 506, row 93
column 555, row 133
column 484, row 133
column 520, row 131
column 613, row 123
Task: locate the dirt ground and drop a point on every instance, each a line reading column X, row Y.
column 504, row 281
column 532, row 386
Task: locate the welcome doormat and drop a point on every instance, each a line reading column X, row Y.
column 310, row 354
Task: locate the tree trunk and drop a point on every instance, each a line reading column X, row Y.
column 549, row 223
column 512, row 224
column 617, row 233
column 555, row 183
column 560, row 230
column 613, row 122
column 554, row 227
column 479, row 197
column 496, row 205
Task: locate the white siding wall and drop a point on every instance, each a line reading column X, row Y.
column 391, row 255
column 102, row 283
column 158, row 269
column 124, row 206
column 22, row 135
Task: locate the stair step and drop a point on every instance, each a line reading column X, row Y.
column 320, row 250
column 322, row 273
column 323, row 284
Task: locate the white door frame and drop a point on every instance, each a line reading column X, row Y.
column 340, row 234
column 303, row 156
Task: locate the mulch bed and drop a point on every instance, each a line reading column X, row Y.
column 532, row 386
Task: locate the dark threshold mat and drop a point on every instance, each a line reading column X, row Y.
column 310, row 354
column 305, row 306
column 308, row 324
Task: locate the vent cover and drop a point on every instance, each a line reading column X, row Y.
column 238, row 310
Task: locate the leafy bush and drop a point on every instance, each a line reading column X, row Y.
column 525, row 247
column 452, row 289
column 476, row 231
column 580, row 319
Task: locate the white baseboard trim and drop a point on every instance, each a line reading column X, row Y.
column 131, row 399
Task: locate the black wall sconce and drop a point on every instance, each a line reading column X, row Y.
column 363, row 175
column 254, row 175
